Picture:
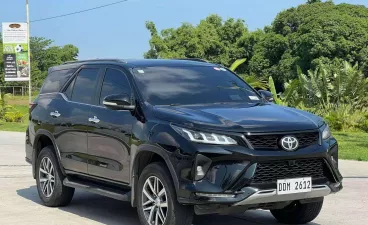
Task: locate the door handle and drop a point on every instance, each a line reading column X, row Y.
column 94, row 120
column 55, row 114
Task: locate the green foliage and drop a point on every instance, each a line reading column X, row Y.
column 13, row 115
column 323, row 87
column 237, row 63
column 324, row 31
column 212, row 39
column 306, row 36
column 252, row 80
column 255, row 82
column 3, row 104
column 338, row 95
column 272, row 87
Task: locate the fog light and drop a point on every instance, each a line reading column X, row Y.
column 215, row 195
column 201, row 166
column 200, row 171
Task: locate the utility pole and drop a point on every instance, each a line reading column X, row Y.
column 29, row 55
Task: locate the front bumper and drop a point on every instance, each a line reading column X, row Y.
column 232, row 176
column 254, row 198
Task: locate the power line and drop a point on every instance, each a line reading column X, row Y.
column 77, row 12
column 81, row 11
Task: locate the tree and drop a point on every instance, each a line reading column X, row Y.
column 324, row 32
column 212, row 39
column 305, row 36
column 313, row 1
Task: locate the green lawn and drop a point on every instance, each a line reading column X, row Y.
column 6, row 126
column 23, row 108
column 352, row 145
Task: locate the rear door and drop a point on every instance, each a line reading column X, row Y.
column 73, row 126
column 109, row 139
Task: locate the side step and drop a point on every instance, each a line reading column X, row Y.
column 114, row 193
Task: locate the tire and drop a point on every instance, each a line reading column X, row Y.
column 176, row 214
column 58, row 194
column 297, row 213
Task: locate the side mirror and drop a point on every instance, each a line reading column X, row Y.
column 266, row 95
column 118, row 102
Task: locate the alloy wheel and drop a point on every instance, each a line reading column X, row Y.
column 47, row 177
column 154, row 201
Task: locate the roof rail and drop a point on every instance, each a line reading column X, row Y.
column 91, row 60
column 193, row 59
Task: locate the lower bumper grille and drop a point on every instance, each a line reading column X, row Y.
column 270, row 172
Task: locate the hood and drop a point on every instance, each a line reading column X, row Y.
column 240, row 117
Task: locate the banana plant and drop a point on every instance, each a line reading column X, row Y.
column 250, row 79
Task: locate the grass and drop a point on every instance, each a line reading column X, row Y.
column 19, row 103
column 352, row 145
column 7, row 126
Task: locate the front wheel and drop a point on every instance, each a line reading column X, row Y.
column 297, row 213
column 157, row 204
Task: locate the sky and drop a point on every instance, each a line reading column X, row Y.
column 119, row 31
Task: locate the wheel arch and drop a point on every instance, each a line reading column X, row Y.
column 145, row 155
column 42, row 139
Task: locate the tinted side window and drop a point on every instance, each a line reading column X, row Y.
column 115, row 82
column 55, row 80
column 85, row 86
column 68, row 92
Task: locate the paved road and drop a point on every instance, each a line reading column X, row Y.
column 20, row 204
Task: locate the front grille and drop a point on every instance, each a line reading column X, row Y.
column 272, row 141
column 270, row 172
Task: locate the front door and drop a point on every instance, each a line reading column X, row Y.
column 109, row 138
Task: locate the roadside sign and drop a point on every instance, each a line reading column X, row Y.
column 15, row 48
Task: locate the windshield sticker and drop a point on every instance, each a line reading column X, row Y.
column 140, row 71
column 222, row 69
column 216, row 68
column 254, row 98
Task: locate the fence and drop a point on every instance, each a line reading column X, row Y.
column 15, row 90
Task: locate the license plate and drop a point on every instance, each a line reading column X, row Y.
column 291, row 186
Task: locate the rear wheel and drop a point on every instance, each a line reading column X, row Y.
column 157, row 204
column 297, row 213
column 49, row 180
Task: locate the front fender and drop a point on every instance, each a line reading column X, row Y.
column 166, row 155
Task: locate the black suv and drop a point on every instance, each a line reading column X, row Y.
column 174, row 138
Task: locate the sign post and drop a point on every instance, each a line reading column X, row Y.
column 16, row 47
column 29, row 55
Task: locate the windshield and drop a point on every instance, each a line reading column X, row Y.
column 192, row 85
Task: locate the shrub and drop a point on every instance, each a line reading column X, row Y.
column 13, row 115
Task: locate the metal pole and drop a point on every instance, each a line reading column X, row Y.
column 29, row 55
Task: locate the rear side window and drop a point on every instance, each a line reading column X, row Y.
column 115, row 82
column 85, row 86
column 56, row 80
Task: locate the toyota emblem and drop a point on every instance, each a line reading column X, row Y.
column 289, row 143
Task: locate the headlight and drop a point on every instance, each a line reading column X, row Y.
column 326, row 133
column 202, row 137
